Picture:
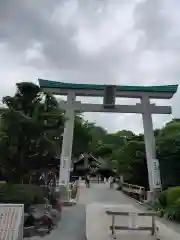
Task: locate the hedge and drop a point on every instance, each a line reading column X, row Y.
column 173, row 194
column 168, row 203
column 21, row 193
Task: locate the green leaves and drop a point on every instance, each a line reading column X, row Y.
column 168, row 204
column 32, row 126
column 82, row 137
column 168, row 151
column 28, row 129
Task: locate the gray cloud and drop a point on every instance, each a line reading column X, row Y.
column 110, row 41
column 28, row 24
column 151, row 19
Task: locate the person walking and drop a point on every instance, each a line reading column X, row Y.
column 42, row 179
column 111, row 182
column 87, row 181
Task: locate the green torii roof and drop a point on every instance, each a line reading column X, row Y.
column 156, row 89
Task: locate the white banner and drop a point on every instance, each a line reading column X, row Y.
column 156, row 173
column 64, row 171
column 11, row 221
column 65, row 162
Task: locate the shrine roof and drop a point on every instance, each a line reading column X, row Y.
column 62, row 88
column 90, row 156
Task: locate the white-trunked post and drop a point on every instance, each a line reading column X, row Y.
column 65, row 164
column 148, row 138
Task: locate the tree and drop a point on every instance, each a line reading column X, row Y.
column 131, row 162
column 28, row 130
column 168, row 152
column 82, row 137
column 31, row 130
column 170, row 129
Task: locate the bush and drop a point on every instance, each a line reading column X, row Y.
column 173, row 212
column 37, row 193
column 21, row 193
column 163, row 199
column 172, row 195
column 168, row 204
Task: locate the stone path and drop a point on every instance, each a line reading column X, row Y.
column 97, row 221
column 73, row 223
column 71, row 227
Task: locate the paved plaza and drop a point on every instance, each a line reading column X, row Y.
column 88, row 215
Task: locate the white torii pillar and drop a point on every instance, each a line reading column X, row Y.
column 65, row 164
column 149, row 140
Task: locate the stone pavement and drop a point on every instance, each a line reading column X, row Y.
column 71, row 226
column 76, row 221
column 97, row 221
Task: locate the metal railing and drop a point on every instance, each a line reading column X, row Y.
column 135, row 190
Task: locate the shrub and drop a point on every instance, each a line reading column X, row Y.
column 163, row 199
column 173, row 211
column 168, row 204
column 37, row 193
column 21, row 193
column 172, row 195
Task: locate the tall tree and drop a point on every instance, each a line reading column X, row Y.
column 28, row 129
column 168, row 152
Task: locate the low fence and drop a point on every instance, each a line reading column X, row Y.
column 135, row 191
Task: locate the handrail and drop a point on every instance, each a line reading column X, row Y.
column 132, row 185
column 134, row 189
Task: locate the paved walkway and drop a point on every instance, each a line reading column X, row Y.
column 103, row 199
column 73, row 223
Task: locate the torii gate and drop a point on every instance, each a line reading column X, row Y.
column 110, row 92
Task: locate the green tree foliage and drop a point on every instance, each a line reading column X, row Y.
column 31, row 130
column 127, row 150
column 29, row 126
column 82, row 137
column 168, row 152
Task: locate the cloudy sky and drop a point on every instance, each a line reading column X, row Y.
column 129, row 42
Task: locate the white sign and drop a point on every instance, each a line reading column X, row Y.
column 11, row 221
column 64, row 171
column 132, row 220
column 156, row 173
column 65, row 162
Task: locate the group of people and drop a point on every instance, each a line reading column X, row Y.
column 48, row 179
column 111, row 181
column 48, row 220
